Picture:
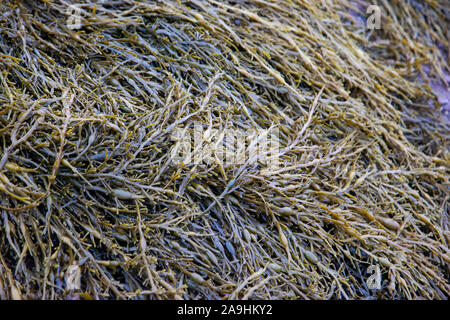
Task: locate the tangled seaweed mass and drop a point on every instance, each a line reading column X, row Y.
column 92, row 207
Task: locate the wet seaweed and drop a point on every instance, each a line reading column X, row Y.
column 92, row 207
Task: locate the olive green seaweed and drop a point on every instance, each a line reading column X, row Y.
column 92, row 207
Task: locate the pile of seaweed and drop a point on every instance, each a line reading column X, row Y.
column 92, row 207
